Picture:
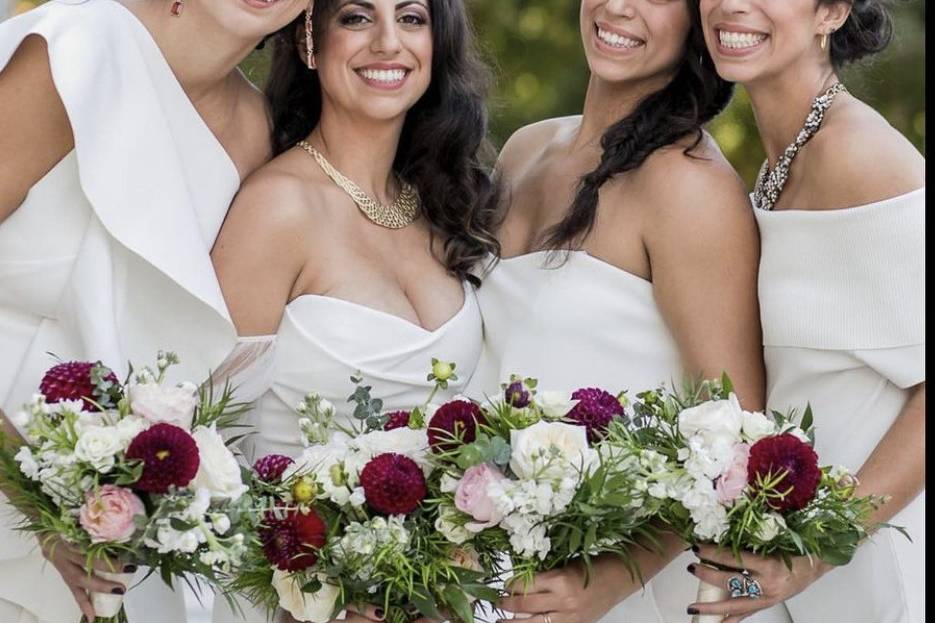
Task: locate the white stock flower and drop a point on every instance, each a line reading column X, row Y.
column 27, row 462
column 218, row 470
column 309, row 607
column 713, row 420
column 220, row 523
column 157, row 403
column 770, row 527
column 97, row 446
column 555, row 405
column 548, row 446
column 756, row 426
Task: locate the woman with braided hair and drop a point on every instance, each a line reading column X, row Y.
column 629, row 257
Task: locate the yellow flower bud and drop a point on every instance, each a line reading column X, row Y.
column 442, row 370
column 304, row 490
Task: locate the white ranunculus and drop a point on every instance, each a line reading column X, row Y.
column 157, row 403
column 218, row 470
column 97, row 446
column 713, row 420
column 756, row 426
column 553, row 444
column 314, row 607
column 554, row 404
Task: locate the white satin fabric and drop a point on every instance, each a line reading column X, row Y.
column 584, row 323
column 841, row 299
column 108, row 256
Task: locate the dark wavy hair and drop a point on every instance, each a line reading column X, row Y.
column 694, row 96
column 867, row 30
column 443, row 150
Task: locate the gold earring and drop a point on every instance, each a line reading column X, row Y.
column 309, row 42
column 824, row 41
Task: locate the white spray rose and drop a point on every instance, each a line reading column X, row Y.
column 157, row 403
column 756, row 426
column 771, row 526
column 714, row 420
column 218, row 470
column 555, row 405
column 553, row 444
column 97, row 445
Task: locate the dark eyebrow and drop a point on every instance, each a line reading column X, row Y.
column 399, row 5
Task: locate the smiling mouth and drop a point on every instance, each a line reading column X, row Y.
column 616, row 40
column 740, row 40
column 386, row 77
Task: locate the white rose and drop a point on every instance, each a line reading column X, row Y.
column 770, row 527
column 156, row 403
column 97, row 445
column 218, row 470
column 756, row 426
column 714, row 420
column 315, row 607
column 555, row 444
column 555, row 405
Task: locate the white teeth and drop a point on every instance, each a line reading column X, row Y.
column 617, row 41
column 738, row 40
column 383, row 75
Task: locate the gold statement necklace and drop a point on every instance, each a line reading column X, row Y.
column 402, row 212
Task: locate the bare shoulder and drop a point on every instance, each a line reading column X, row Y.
column 527, row 142
column 686, row 188
column 858, row 158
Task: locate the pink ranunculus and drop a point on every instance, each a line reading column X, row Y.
column 471, row 496
column 107, row 514
column 734, row 479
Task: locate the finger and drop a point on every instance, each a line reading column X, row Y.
column 97, row 585
column 725, row 557
column 368, row 611
column 534, row 603
column 83, row 601
column 550, row 617
column 540, row 583
column 354, row 617
column 735, row 619
column 714, row 577
column 734, row 606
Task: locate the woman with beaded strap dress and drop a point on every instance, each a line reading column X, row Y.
column 354, row 245
column 127, row 128
column 840, row 207
column 629, row 261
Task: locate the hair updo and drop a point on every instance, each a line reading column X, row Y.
column 867, row 30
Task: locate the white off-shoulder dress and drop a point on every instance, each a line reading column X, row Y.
column 841, row 300
column 108, row 257
column 584, row 323
column 321, row 342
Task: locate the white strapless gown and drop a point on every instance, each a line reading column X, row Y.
column 108, row 256
column 586, row 323
column 322, row 341
column 841, row 299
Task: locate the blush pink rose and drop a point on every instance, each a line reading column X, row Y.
column 733, row 481
column 107, row 514
column 471, row 496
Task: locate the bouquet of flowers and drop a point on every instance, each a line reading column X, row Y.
column 747, row 481
column 349, row 521
column 135, row 472
column 545, row 478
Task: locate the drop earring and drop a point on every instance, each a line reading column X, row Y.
column 309, row 40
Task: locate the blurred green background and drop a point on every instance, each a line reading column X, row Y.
column 535, row 51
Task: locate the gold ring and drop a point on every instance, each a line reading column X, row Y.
column 547, row 617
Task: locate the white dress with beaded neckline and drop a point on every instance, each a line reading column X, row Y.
column 584, row 323
column 322, row 341
column 108, row 257
column 842, row 307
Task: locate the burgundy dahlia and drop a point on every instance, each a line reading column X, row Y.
column 393, row 484
column 517, row 395
column 454, row 423
column 595, row 410
column 271, row 467
column 772, row 456
column 397, row 419
column 72, row 381
column 291, row 542
column 169, row 455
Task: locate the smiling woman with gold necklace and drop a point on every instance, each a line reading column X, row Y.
column 355, row 244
